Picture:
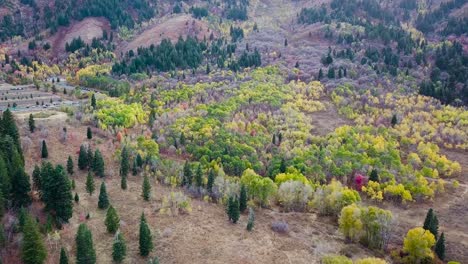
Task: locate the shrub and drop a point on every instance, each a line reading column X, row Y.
column 294, row 195
column 336, row 259
column 330, row 199
column 175, row 203
column 280, row 227
column 259, row 188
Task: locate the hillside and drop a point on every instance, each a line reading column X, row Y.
column 234, row 131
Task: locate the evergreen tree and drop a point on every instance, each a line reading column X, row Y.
column 32, row 123
column 82, row 158
column 63, row 256
column 146, row 188
column 123, row 182
column 139, row 160
column 440, row 247
column 431, row 223
column 282, row 167
column 187, row 180
column 135, row 168
column 211, row 178
column 233, row 209
column 89, row 134
column 374, row 176
column 124, row 164
column 320, row 74
column 90, row 158
column 251, row 221
column 394, row 120
column 243, row 199
column 85, row 253
column 36, row 175
column 112, row 220
column 5, row 180
column 331, row 73
column 44, row 151
column 199, row 176
column 2, row 205
column 146, row 240
column 20, row 187
column 33, row 250
column 57, row 194
column 98, row 166
column 90, row 184
column 70, row 165
column 103, row 202
column 9, row 128
column 93, row 101
column 73, row 184
column 77, row 198
column 119, row 249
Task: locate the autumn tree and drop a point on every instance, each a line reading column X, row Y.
column 112, row 220
column 145, row 238
column 417, row 244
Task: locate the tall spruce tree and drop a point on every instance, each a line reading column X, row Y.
column 20, row 187
column 103, row 202
column 90, row 158
column 211, row 178
column 243, row 199
column 112, row 220
column 5, row 179
column 146, row 189
column 93, row 101
column 90, row 184
column 98, row 166
column 32, row 123
column 145, row 237
column 63, row 256
column 187, row 180
column 123, row 182
column 56, row 193
column 33, row 250
column 199, row 176
column 36, row 175
column 89, row 134
column 124, row 162
column 431, row 223
column 232, row 209
column 70, row 165
column 82, row 158
column 119, row 248
column 85, row 253
column 44, row 151
column 440, row 247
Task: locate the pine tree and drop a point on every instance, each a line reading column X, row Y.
column 85, row 253
column 146, row 240
column 77, row 198
column 36, row 175
column 440, row 247
column 124, row 165
column 33, row 250
column 320, row 74
column 63, row 256
column 146, row 188
column 139, row 160
column 20, row 187
column 82, row 158
column 199, row 176
column 70, row 165
column 431, row 223
column 73, row 184
column 112, row 220
column 90, row 184
column 135, row 168
column 251, row 221
column 89, row 134
column 119, row 249
column 90, row 158
column 98, row 166
column 9, row 128
column 187, row 180
column 5, row 179
column 331, row 73
column 60, row 197
column 93, row 101
column 374, row 176
column 103, row 202
column 394, row 120
column 123, row 182
column 282, row 167
column 211, row 178
column 32, row 123
column 44, row 151
column 243, row 199
column 233, row 209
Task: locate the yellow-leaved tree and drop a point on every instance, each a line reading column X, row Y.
column 418, row 243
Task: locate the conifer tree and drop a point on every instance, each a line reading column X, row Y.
column 135, row 168
column 199, row 176
column 112, row 220
column 440, row 247
column 33, row 250
column 93, row 101
column 233, row 209
column 82, row 158
column 431, row 223
column 2, row 205
column 119, row 248
column 187, row 180
column 5, row 180
column 374, row 176
column 90, row 184
column 251, row 221
column 89, row 134
column 59, row 197
column 123, row 182
column 63, row 256
column 394, row 120
column 44, row 151
column 85, row 253
column 124, row 164
column 243, row 199
column 320, row 74
column 32, row 123
column 20, row 187
column 146, row 189
column 98, row 166
column 146, row 240
column 70, row 165
column 77, row 198
column 103, row 202
column 211, row 178
column 282, row 167
column 139, row 160
column 73, row 184
column 36, row 175
column 90, row 158
column 9, row 128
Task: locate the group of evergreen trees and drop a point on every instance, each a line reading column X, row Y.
column 93, row 162
column 428, row 22
column 431, row 224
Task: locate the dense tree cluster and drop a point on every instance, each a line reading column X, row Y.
column 428, row 22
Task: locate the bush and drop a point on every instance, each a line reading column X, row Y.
column 280, row 227
column 330, row 199
column 336, row 259
column 175, row 203
column 294, row 195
